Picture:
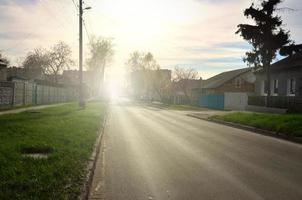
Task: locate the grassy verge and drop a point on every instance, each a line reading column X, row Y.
column 184, row 107
column 290, row 124
column 179, row 107
column 65, row 132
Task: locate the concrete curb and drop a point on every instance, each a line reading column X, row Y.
column 92, row 163
column 252, row 129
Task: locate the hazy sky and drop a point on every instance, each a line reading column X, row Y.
column 189, row 33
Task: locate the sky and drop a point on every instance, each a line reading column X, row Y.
column 199, row 34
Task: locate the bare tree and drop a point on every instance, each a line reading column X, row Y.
column 101, row 53
column 182, row 78
column 148, row 75
column 134, row 63
column 35, row 63
column 160, row 83
column 58, row 59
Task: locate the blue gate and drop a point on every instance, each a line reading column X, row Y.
column 215, row 101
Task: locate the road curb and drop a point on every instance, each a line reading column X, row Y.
column 274, row 134
column 85, row 191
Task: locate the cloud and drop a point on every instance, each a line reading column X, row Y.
column 193, row 33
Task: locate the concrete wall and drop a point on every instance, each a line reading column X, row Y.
column 6, row 94
column 235, row 101
column 22, row 93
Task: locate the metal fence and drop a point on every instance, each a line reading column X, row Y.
column 286, row 102
column 215, row 101
column 31, row 93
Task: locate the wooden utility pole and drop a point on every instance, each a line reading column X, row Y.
column 81, row 92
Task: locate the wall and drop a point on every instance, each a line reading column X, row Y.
column 235, row 101
column 21, row 93
column 282, row 76
column 6, row 94
column 224, row 101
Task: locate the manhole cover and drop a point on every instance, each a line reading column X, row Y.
column 37, row 152
column 35, row 155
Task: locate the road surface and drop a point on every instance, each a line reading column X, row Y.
column 149, row 153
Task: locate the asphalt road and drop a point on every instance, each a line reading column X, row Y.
column 151, row 153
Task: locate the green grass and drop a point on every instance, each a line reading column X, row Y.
column 290, row 124
column 66, row 132
column 180, row 107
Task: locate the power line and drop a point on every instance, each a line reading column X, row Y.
column 88, row 35
column 84, row 22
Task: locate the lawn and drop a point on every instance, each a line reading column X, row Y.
column 66, row 132
column 290, row 124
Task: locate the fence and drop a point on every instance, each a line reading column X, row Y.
column 227, row 101
column 31, row 93
column 285, row 102
column 215, row 101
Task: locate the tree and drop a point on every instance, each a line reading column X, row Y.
column 182, row 78
column 4, row 59
column 35, row 62
column 134, row 62
column 161, row 83
column 266, row 36
column 147, row 76
column 101, row 53
column 49, row 62
column 57, row 59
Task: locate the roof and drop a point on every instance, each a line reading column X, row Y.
column 292, row 61
column 221, row 78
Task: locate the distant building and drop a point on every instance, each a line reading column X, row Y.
column 90, row 80
column 183, row 90
column 3, row 71
column 30, row 74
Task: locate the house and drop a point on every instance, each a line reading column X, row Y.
column 228, row 90
column 3, row 70
column 286, row 78
column 286, row 86
column 240, row 80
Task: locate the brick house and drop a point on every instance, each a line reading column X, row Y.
column 228, row 90
column 240, row 80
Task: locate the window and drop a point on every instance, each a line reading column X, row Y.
column 291, row 88
column 238, row 82
column 276, row 86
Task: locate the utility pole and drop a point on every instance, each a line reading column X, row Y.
column 81, row 92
